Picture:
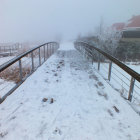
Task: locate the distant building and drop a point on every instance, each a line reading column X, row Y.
column 130, row 30
column 118, row 26
column 131, row 34
column 133, row 22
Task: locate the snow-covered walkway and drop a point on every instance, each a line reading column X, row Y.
column 65, row 99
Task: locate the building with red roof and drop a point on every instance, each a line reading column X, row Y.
column 118, row 26
column 134, row 22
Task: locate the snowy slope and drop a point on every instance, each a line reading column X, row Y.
column 65, row 99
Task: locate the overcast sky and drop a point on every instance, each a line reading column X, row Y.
column 43, row 20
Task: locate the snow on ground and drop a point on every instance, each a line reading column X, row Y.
column 135, row 68
column 65, row 99
column 120, row 80
column 5, row 86
column 5, row 59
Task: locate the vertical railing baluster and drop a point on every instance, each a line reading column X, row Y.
column 39, row 58
column 132, row 83
column 32, row 57
column 53, row 48
column 44, row 54
column 92, row 56
column 99, row 61
column 109, row 72
column 20, row 70
column 50, row 49
column 10, row 52
column 47, row 52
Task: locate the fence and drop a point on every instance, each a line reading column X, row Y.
column 9, row 50
column 121, row 77
column 15, row 72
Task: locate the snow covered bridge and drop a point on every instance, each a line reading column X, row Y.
column 65, row 99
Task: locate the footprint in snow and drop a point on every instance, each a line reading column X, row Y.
column 12, row 118
column 116, row 109
column 3, row 134
column 57, row 131
column 100, row 84
column 51, row 100
column 110, row 113
column 103, row 94
column 55, row 74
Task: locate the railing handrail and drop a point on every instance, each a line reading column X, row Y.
column 130, row 71
column 14, row 60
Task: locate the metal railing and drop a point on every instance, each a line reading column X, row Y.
column 121, row 77
column 16, row 71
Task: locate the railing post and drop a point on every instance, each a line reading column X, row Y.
column 47, row 52
column 109, row 72
column 53, row 48
column 50, row 49
column 84, row 51
column 10, row 52
column 44, row 54
column 39, row 58
column 20, row 70
column 99, row 62
column 32, row 57
column 92, row 56
column 131, row 89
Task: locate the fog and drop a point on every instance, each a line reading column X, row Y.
column 46, row 20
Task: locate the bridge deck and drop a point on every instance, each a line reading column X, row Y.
column 66, row 99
